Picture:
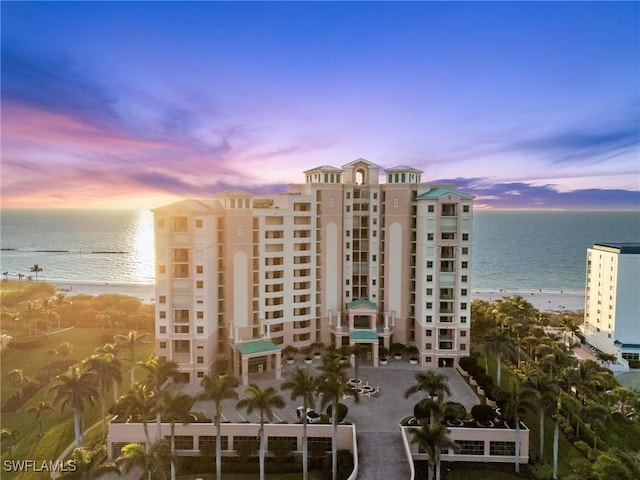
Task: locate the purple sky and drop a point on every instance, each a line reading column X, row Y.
column 124, row 104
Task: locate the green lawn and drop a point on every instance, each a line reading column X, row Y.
column 58, row 426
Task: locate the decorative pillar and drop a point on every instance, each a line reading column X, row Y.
column 375, row 354
column 386, row 323
column 278, row 365
column 245, row 371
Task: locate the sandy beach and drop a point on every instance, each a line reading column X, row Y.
column 543, row 300
column 548, row 301
column 144, row 292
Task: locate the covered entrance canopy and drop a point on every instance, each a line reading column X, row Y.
column 265, row 354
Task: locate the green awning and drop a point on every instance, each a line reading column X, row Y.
column 256, row 346
column 367, row 335
column 362, row 301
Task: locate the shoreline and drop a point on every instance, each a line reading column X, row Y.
column 543, row 300
column 145, row 292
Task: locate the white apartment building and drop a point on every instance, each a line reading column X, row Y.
column 342, row 258
column 612, row 300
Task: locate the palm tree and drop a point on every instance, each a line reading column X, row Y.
column 35, row 269
column 75, row 389
column 303, row 384
column 107, row 370
column 86, row 464
column 137, row 405
column 152, row 461
column 38, row 409
column 548, row 390
column 131, row 342
column 332, row 385
column 176, row 407
column 218, row 390
column 159, row 372
column 9, row 436
column 500, row 343
column 433, row 383
column 264, row 401
column 432, row 439
column 359, row 353
column 519, row 400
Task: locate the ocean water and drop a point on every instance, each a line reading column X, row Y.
column 523, row 250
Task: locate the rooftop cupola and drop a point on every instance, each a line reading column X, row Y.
column 324, row 174
column 403, row 174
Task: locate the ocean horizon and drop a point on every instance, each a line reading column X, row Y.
column 519, row 251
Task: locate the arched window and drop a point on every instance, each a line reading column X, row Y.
column 360, row 176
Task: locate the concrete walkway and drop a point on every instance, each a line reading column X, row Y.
column 381, row 456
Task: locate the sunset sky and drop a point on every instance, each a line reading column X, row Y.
column 525, row 105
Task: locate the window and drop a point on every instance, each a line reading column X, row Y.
column 199, row 359
column 162, row 269
column 465, row 237
column 502, row 448
column 181, row 270
column 429, row 318
column 463, row 333
column 199, row 284
column 162, row 314
column 198, row 223
column 162, row 299
column 208, row 443
column 161, row 223
column 429, row 278
column 430, row 264
column 200, row 374
column 374, row 258
column 428, row 346
column 429, row 305
column 396, row 202
column 183, row 442
column 463, row 278
column 429, row 236
column 429, row 291
column 200, row 315
column 465, row 208
column 428, row 333
column 240, row 230
column 200, row 330
column 181, row 329
column 463, row 292
column 465, row 264
column 470, row 447
column 163, row 329
column 199, row 269
column 463, row 346
column 463, row 319
column 179, row 224
column 163, row 345
column 463, row 306
column 465, row 250
column 448, row 236
column 431, row 209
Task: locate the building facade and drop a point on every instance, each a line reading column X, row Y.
column 342, row 258
column 612, row 299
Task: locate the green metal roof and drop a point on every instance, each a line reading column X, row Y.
column 363, row 335
column 256, row 346
column 362, row 301
column 439, row 192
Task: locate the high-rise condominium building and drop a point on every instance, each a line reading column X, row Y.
column 612, row 301
column 341, row 258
